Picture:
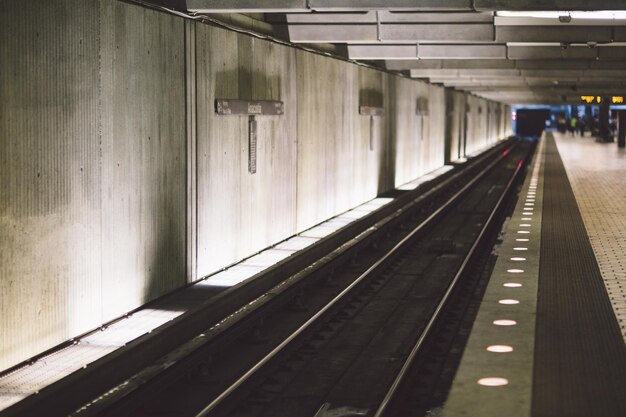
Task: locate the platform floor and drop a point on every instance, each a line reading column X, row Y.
column 597, row 174
column 549, row 336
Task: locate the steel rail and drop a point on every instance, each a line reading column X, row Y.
column 99, row 384
column 393, row 390
column 371, row 270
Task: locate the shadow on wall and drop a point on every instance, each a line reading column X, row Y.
column 242, row 84
column 374, row 98
column 166, row 262
column 387, row 162
column 370, row 97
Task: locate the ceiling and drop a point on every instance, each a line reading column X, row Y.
column 496, row 49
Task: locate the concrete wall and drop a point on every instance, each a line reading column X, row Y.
column 240, row 213
column 456, row 124
column 336, row 168
column 418, row 139
column 92, row 167
column 50, row 177
column 142, row 155
column 107, row 113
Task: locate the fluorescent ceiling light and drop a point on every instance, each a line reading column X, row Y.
column 599, row 15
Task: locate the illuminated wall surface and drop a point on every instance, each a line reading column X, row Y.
column 94, row 132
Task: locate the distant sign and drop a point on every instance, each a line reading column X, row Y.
column 591, row 99
column 617, row 99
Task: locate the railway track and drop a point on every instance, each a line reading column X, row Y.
column 342, row 337
column 248, row 362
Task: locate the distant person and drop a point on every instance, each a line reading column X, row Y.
column 581, row 127
column 561, row 125
column 572, row 125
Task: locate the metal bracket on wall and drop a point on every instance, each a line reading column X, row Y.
column 371, row 112
column 250, row 108
column 421, row 111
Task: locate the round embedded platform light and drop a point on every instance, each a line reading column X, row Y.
column 527, row 218
column 500, row 348
column 512, row 284
column 504, row 322
column 524, row 225
column 508, row 301
column 493, row 381
column 518, row 258
column 522, row 239
column 523, row 232
column 514, row 271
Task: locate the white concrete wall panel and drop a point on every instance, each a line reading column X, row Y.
column 143, row 155
column 407, row 128
column 240, row 213
column 386, row 177
column 457, row 147
column 433, row 144
column 49, row 175
column 369, row 164
column 327, row 113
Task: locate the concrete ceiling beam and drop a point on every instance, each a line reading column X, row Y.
column 450, row 64
column 365, row 34
column 242, row 6
column 399, row 33
column 466, row 33
column 553, row 21
column 269, row 6
column 426, row 5
column 464, row 73
column 532, row 5
column 396, row 65
column 385, row 16
column 569, row 64
column 386, row 51
column 571, row 34
column 247, row 6
column 552, row 52
column 371, row 52
column 462, row 52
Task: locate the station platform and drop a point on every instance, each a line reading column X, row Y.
column 549, row 338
